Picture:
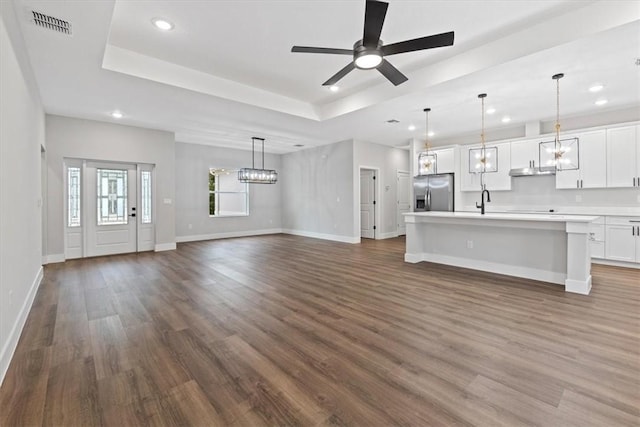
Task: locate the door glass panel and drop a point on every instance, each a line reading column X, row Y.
column 145, row 187
column 112, row 196
column 73, row 192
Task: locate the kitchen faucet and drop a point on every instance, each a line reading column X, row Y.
column 481, row 207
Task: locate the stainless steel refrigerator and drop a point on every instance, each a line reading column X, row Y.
column 433, row 192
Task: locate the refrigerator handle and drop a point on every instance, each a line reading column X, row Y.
column 429, row 199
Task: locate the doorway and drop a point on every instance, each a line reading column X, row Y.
column 109, row 208
column 403, row 201
column 368, row 203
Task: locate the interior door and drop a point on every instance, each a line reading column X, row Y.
column 367, row 203
column 110, row 216
column 404, row 199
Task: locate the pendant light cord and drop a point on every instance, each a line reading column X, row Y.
column 558, row 110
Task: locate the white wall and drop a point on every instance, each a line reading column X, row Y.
column 87, row 139
column 21, row 137
column 192, row 197
column 318, row 192
column 388, row 161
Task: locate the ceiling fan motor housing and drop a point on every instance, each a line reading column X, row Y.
column 360, row 50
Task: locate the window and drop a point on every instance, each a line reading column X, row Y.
column 73, row 197
column 112, row 196
column 227, row 195
column 145, row 188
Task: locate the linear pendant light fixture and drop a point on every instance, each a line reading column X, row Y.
column 257, row 176
column 427, row 161
column 483, row 159
column 559, row 154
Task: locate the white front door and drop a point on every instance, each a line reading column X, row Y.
column 110, row 216
column 404, row 199
column 367, row 203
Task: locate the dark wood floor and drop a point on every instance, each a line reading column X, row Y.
column 285, row 330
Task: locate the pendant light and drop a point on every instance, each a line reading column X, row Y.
column 559, row 154
column 427, row 161
column 257, row 176
column 484, row 159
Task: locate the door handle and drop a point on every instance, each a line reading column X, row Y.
column 133, row 214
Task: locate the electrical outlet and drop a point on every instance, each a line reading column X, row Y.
column 469, row 244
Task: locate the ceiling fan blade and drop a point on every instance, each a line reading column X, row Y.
column 429, row 42
column 374, row 14
column 391, row 73
column 307, row 49
column 340, row 74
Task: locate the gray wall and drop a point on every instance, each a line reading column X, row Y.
column 192, row 198
column 21, row 138
column 88, row 139
column 388, row 160
column 318, row 192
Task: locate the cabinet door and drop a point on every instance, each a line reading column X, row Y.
column 524, row 153
column 445, row 160
column 593, row 152
column 500, row 180
column 568, row 179
column 622, row 156
column 621, row 243
column 468, row 181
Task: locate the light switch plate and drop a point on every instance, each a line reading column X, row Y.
column 167, row 201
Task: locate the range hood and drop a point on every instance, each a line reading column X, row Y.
column 533, row 171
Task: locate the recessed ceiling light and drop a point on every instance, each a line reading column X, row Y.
column 596, row 88
column 162, row 24
column 506, row 119
column 334, row 88
column 491, row 110
column 431, row 133
column 601, row 102
column 116, row 114
column 412, row 127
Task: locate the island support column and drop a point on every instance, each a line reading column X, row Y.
column 578, row 258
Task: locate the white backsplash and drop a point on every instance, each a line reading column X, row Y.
column 539, row 193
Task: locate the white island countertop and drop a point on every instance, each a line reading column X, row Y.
column 506, row 216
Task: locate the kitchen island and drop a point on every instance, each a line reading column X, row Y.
column 549, row 248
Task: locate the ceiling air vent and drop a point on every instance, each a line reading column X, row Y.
column 393, row 121
column 51, row 23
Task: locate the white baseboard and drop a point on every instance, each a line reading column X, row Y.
column 615, row 263
column 10, row 345
column 323, row 236
column 578, row 286
column 491, row 267
column 389, row 235
column 214, row 236
column 165, row 247
column 52, row 259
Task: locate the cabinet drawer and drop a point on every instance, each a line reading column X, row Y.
column 623, row 220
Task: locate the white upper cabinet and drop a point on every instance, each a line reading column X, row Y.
column 623, row 157
column 495, row 181
column 592, row 152
column 445, row 160
column 524, row 154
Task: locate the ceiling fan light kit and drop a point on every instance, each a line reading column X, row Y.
column 370, row 52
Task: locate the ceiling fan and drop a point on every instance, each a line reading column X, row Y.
column 369, row 52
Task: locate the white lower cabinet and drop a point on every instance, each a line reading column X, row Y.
column 622, row 239
column 596, row 238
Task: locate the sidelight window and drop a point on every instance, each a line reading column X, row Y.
column 145, row 188
column 73, row 197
